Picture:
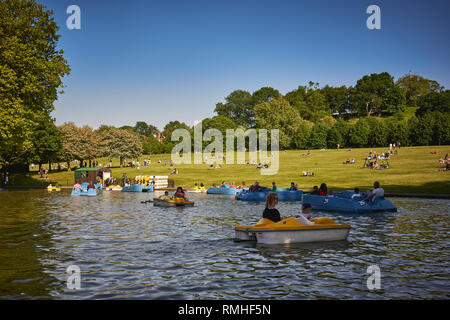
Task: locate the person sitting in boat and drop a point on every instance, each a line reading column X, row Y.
column 274, row 187
column 213, row 185
column 242, row 186
column 180, row 194
column 233, row 185
column 377, row 192
column 330, row 193
column 293, row 187
column 315, row 191
column 202, row 186
column 304, row 217
column 356, row 194
column 57, row 186
column 223, row 183
column 91, row 185
column 270, row 212
column 254, row 187
column 323, row 191
column 77, row 186
column 166, row 196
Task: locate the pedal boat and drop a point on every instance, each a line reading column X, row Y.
column 113, row 188
column 172, row 203
column 53, row 188
column 80, row 192
column 344, row 203
column 137, row 188
column 290, row 230
column 197, row 190
column 284, row 194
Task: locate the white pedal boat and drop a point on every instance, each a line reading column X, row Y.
column 290, row 230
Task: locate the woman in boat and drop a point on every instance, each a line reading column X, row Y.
column 293, row 187
column 270, row 212
column 323, row 190
column 77, row 186
column 233, row 185
column 180, row 194
column 91, row 185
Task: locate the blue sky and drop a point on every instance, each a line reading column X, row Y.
column 157, row 61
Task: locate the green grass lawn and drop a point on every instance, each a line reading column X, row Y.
column 413, row 170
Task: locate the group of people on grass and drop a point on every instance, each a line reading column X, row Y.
column 445, row 161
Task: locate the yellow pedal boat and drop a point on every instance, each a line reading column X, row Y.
column 53, row 188
column 290, row 230
column 198, row 189
column 114, row 188
column 172, row 203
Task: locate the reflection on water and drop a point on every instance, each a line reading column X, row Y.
column 126, row 249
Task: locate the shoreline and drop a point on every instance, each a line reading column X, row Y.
column 387, row 194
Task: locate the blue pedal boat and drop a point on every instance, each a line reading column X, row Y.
column 84, row 192
column 223, row 189
column 284, row 194
column 344, row 203
column 137, row 188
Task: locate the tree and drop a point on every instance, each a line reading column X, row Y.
column 302, row 136
column 278, row 114
column 336, row 98
column 359, row 133
column 31, row 69
column 377, row 136
column 435, row 101
column 318, row 137
column 47, row 142
column 238, row 107
column 70, row 138
column 265, row 94
column 309, row 102
column 416, row 87
column 171, row 127
column 420, row 130
column 377, row 94
column 120, row 143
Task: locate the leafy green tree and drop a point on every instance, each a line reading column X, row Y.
column 336, row 98
column 47, row 142
column 378, row 135
column 31, row 69
column 171, row 127
column 238, row 107
column 302, row 136
column 120, row 143
column 397, row 131
column 416, row 87
column 71, row 137
column 334, row 137
column 359, row 133
column 309, row 102
column 420, row 130
column 377, row 94
column 152, row 145
column 435, row 101
column 278, row 114
column 318, row 137
column 265, row 94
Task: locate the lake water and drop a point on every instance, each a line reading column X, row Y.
column 126, row 249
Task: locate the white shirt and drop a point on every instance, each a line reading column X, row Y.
column 378, row 192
